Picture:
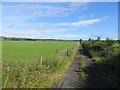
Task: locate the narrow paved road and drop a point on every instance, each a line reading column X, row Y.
column 72, row 78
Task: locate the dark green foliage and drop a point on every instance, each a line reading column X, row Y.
column 110, row 68
column 106, row 54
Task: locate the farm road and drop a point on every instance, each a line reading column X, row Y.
column 72, row 78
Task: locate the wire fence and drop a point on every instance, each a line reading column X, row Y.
column 58, row 57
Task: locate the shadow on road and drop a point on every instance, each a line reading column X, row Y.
column 94, row 77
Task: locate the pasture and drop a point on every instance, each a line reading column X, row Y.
column 30, row 50
column 35, row 64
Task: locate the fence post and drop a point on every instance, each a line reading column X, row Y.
column 56, row 54
column 70, row 51
column 41, row 60
column 67, row 52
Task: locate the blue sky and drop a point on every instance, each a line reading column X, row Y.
column 60, row 20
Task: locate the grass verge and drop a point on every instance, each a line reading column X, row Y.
column 83, row 64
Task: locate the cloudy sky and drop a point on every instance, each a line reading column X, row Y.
column 60, row 20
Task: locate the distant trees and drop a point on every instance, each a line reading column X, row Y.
column 2, row 38
column 97, row 39
column 107, row 39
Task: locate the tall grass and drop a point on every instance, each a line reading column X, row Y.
column 83, row 65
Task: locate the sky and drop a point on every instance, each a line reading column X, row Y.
column 60, row 20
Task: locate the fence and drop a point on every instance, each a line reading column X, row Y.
column 58, row 57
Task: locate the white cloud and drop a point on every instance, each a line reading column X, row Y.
column 45, row 27
column 65, row 36
column 45, row 35
column 72, row 36
column 56, row 27
column 48, row 10
column 106, row 18
column 37, row 26
column 31, row 10
column 80, row 6
column 85, row 17
column 80, row 23
column 57, row 30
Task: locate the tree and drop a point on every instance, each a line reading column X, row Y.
column 98, row 38
column 89, row 39
column 80, row 40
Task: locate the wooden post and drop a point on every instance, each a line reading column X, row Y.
column 57, row 53
column 70, row 51
column 67, row 52
column 41, row 60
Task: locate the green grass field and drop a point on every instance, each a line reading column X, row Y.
column 22, row 65
column 30, row 50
